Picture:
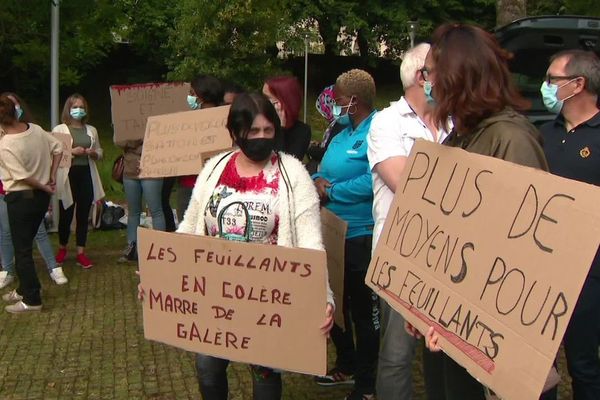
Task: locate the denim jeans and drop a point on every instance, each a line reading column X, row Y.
column 394, row 370
column 152, row 192
column 7, row 251
column 26, row 211
column 212, row 377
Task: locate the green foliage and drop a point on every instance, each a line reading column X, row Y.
column 85, row 39
column 229, row 39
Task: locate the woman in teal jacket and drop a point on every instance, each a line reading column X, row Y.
column 345, row 187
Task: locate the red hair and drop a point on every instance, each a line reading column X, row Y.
column 472, row 79
column 289, row 93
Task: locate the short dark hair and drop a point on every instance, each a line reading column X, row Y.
column 289, row 93
column 582, row 63
column 244, row 110
column 7, row 111
column 209, row 89
column 472, row 80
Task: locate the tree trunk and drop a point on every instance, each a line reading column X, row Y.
column 509, row 10
column 329, row 34
column 363, row 44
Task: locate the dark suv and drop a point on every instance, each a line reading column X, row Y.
column 533, row 40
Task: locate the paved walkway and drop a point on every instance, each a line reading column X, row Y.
column 88, row 343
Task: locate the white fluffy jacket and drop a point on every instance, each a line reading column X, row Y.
column 299, row 218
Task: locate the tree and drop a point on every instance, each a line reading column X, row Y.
column 510, row 10
column 229, row 39
column 85, row 39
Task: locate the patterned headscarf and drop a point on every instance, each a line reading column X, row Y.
column 324, row 104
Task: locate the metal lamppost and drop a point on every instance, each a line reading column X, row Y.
column 412, row 32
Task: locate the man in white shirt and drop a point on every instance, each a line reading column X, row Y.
column 391, row 137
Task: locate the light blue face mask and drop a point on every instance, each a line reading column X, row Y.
column 18, row 113
column 193, row 102
column 550, row 96
column 78, row 113
column 336, row 111
column 427, row 90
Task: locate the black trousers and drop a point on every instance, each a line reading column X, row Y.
column 212, row 377
column 82, row 190
column 582, row 339
column 447, row 380
column 167, row 188
column 361, row 312
column 26, row 210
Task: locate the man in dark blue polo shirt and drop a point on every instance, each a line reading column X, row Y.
column 572, row 147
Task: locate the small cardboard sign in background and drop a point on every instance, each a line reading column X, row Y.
column 252, row 303
column 334, row 238
column 493, row 255
column 131, row 105
column 179, row 144
column 67, row 142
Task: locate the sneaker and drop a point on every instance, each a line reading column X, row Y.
column 335, row 377
column 21, row 307
column 130, row 253
column 83, row 261
column 58, row 276
column 61, row 255
column 356, row 395
column 12, row 296
column 5, row 279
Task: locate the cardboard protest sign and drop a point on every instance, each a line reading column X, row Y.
column 67, row 141
column 180, row 143
column 334, row 238
column 244, row 302
column 131, row 105
column 493, row 255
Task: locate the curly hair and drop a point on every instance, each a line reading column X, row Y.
column 359, row 83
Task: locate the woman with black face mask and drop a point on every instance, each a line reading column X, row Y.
column 282, row 208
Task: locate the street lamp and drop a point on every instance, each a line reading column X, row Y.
column 412, row 31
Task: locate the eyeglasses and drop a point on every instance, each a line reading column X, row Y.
column 553, row 78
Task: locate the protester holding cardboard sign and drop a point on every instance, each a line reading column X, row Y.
column 256, row 195
column 344, row 187
column 135, row 187
column 571, row 90
column 79, row 186
column 485, row 122
column 205, row 92
column 393, row 133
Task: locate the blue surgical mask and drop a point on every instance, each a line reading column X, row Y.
column 193, row 102
column 550, row 96
column 18, row 113
column 78, row 113
column 427, row 90
column 336, row 112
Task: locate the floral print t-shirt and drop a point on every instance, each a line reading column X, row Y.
column 257, row 194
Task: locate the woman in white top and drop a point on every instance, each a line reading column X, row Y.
column 79, row 186
column 29, row 158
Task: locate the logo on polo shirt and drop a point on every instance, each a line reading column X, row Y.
column 357, row 144
column 585, row 152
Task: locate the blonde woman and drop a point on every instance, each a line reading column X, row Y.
column 80, row 185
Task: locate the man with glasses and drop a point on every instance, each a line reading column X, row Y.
column 572, row 148
column 391, row 137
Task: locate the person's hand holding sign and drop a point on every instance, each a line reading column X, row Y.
column 431, row 337
column 328, row 324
